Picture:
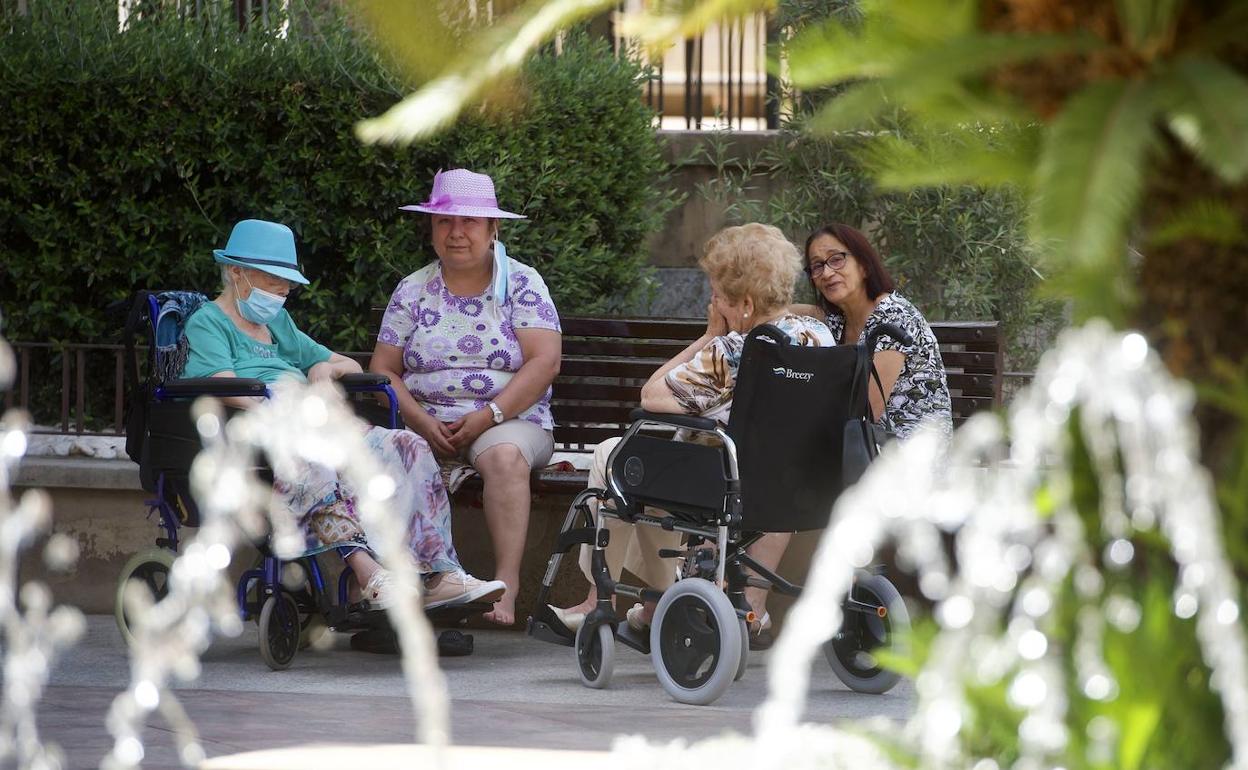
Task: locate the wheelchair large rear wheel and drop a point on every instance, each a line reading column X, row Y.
column 695, row 641
column 151, row 568
column 851, row 652
column 595, row 654
column 279, row 630
column 745, row 650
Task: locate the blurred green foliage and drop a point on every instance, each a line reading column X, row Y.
column 128, row 157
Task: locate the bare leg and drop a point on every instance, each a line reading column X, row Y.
column 767, row 551
column 505, row 474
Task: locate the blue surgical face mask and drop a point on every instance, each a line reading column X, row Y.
column 261, row 306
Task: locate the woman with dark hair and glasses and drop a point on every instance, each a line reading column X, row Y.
column 854, row 292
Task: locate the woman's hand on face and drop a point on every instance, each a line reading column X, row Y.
column 468, row 428
column 716, row 324
column 435, row 432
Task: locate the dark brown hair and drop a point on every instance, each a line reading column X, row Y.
column 878, row 281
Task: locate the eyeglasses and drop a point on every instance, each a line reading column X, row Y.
column 835, row 261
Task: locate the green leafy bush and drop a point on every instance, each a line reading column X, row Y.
column 128, row 157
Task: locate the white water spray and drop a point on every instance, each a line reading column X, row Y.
column 298, row 426
column 35, row 632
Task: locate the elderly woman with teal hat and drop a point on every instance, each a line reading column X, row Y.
column 246, row 332
column 472, row 343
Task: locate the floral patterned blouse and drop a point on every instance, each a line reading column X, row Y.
column 921, row 391
column 460, row 352
column 704, row 384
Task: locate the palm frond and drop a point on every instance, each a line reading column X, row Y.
column 494, row 54
column 1208, row 219
column 832, row 53
column 658, row 26
column 856, row 107
column 1148, row 23
column 1089, row 177
column 1207, row 108
column 983, row 156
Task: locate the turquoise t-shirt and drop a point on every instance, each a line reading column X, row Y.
column 217, row 345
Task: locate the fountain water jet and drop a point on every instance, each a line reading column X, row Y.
column 35, row 633
column 299, row 425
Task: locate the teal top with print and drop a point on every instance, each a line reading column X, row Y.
column 217, row 345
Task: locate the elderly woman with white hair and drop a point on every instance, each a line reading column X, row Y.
column 472, row 343
column 247, row 332
column 752, row 270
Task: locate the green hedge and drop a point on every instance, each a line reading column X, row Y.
column 128, row 156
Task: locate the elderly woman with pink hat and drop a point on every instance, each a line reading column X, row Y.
column 472, row 344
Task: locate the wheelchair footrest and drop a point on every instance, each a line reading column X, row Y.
column 544, row 624
column 543, row 631
column 629, row 638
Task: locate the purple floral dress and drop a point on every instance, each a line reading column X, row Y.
column 460, row 352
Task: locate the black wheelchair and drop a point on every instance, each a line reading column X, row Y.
column 778, row 467
column 291, row 602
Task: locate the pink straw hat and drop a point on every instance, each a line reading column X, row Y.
column 462, row 193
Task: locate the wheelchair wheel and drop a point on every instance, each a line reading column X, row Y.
column 745, row 650
column 279, row 630
column 595, row 654
column 312, row 625
column 151, row 568
column 851, row 652
column 695, row 642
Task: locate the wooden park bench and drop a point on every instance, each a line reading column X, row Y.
column 606, row 360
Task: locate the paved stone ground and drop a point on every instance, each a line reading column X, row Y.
column 512, row 691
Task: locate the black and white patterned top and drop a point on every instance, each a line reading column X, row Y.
column 921, row 391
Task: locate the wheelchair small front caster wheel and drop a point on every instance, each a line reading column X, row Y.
column 695, row 642
column 279, row 630
column 595, row 654
column 851, row 653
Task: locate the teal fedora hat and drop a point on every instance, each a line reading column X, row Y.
column 261, row 245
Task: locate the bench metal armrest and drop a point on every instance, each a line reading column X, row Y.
column 675, row 420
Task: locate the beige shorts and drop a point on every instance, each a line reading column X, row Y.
column 535, row 443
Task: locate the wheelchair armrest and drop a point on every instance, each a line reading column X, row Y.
column 363, row 381
column 213, row 386
column 675, row 420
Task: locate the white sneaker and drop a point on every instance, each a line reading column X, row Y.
column 379, row 591
column 462, row 588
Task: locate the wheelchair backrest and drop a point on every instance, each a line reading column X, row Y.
column 789, row 411
column 157, row 319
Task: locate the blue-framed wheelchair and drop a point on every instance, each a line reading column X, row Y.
column 796, row 439
column 292, row 603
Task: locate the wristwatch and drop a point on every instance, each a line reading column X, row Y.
column 498, row 413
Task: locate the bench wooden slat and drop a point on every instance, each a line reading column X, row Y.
column 566, row 435
column 965, row 406
column 593, row 413
column 633, row 328
column 590, row 391
column 964, row 332
column 971, row 384
column 629, row 348
column 970, row 361
column 635, row 369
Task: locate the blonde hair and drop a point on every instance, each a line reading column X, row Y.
column 755, row 261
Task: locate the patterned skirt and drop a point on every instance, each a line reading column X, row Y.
column 326, row 509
